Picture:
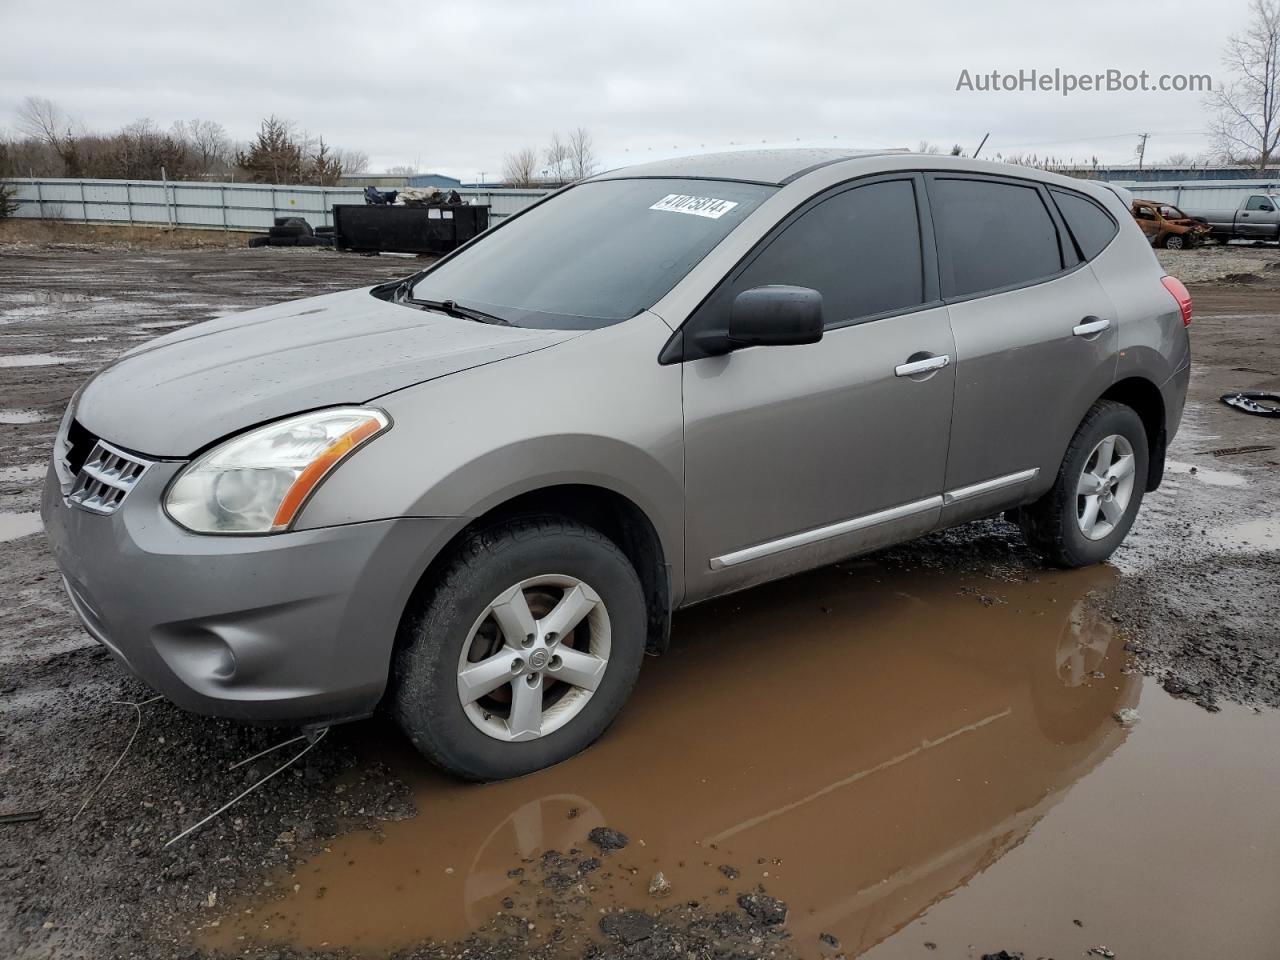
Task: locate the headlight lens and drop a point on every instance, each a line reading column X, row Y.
column 258, row 482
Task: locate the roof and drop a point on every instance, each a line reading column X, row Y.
column 756, row 166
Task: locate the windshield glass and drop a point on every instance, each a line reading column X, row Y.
column 596, row 254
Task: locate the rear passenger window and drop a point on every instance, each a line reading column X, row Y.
column 860, row 249
column 992, row 235
column 1092, row 227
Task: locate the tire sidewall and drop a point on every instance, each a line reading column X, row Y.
column 426, row 702
column 1114, row 420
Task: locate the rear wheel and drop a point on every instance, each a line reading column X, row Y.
column 1098, row 490
column 524, row 651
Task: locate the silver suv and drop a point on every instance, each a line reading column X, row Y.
column 476, row 495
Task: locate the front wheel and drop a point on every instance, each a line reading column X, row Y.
column 1174, row 241
column 1098, row 490
column 524, row 651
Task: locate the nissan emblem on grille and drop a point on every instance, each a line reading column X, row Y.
column 106, row 478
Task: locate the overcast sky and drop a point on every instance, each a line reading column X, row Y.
column 452, row 87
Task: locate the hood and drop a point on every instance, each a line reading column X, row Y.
column 178, row 393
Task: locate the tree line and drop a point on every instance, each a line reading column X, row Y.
column 51, row 143
column 563, row 160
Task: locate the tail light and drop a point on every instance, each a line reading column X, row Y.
column 1179, row 291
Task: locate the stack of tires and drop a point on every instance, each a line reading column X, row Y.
column 294, row 232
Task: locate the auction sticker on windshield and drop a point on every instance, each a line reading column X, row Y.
column 698, row 206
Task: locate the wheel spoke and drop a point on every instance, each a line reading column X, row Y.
column 568, row 613
column 1121, row 468
column 1090, row 516
column 511, row 611
column 526, row 709
column 578, row 668
column 1106, row 449
column 1088, row 485
column 1112, row 510
column 484, row 677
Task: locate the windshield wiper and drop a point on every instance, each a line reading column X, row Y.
column 455, row 309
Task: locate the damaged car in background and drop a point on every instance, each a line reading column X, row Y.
column 475, row 496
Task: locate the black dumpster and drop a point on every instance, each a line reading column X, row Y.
column 430, row 228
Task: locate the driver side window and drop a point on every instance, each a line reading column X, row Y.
column 1258, row 203
column 860, row 249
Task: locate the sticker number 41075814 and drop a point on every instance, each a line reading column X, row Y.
column 698, row 206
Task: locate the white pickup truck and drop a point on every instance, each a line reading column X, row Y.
column 1257, row 218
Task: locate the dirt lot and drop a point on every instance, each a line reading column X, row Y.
column 943, row 774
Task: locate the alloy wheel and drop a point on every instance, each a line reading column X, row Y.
column 534, row 657
column 1105, row 487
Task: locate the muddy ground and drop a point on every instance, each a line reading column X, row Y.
column 972, row 754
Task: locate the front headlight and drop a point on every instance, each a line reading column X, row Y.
column 258, row 481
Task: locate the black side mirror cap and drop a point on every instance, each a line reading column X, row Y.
column 775, row 315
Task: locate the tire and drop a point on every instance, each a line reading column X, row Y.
column 300, row 222
column 282, row 241
column 287, row 230
column 259, row 241
column 323, row 231
column 476, row 741
column 1174, row 241
column 305, row 241
column 1054, row 525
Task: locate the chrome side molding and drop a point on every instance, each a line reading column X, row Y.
column 819, row 534
column 989, row 486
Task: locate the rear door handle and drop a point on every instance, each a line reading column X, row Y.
column 1089, row 326
column 916, row 367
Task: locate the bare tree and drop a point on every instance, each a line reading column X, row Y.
column 924, row 146
column 353, row 161
column 582, row 154
column 519, row 168
column 43, row 120
column 1246, row 128
column 402, row 170
column 207, row 139
column 558, row 159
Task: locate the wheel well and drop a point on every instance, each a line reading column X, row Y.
column 1144, row 398
column 610, row 513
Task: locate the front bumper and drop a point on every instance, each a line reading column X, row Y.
column 295, row 627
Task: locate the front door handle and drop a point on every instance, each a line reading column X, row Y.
column 916, row 367
column 1089, row 326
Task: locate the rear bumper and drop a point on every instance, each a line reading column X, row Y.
column 295, row 627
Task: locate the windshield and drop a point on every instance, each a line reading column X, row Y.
column 596, row 254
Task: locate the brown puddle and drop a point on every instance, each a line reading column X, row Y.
column 864, row 743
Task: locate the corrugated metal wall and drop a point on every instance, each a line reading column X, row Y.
column 218, row 206
column 1195, row 195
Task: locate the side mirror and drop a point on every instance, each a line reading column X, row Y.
column 775, row 315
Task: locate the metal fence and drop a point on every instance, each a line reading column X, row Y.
column 1206, row 195
column 210, row 206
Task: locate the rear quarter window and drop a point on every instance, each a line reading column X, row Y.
column 993, row 234
column 1092, row 226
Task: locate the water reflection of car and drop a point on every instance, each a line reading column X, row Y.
column 944, row 731
column 1167, row 226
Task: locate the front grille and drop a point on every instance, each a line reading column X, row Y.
column 103, row 474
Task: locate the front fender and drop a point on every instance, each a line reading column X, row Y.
column 599, row 410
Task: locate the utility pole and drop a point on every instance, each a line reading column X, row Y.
column 1142, row 148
